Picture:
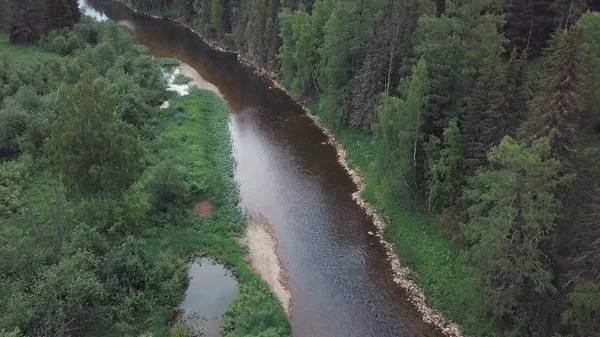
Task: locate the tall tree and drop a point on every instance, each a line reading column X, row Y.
column 558, row 104
column 95, row 153
column 217, row 18
column 456, row 46
column 444, row 165
column 306, row 55
column 590, row 24
column 287, row 69
column 530, row 23
column 348, row 33
column 495, row 108
column 511, row 216
column 398, row 132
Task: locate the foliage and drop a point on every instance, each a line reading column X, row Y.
column 26, row 20
column 115, row 262
column 26, row 121
column 12, row 176
column 249, row 314
column 558, row 105
column 444, row 166
column 590, row 25
column 167, row 188
column 583, row 311
column 441, row 133
column 397, row 131
column 94, row 152
column 63, row 13
column 511, row 216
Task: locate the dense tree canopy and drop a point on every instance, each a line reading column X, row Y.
column 95, row 152
column 511, row 216
column 27, row 19
column 492, row 131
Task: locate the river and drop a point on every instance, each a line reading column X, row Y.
column 339, row 278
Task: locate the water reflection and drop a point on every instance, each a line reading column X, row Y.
column 211, row 288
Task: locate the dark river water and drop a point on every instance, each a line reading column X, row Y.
column 338, row 275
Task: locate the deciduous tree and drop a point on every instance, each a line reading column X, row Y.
column 95, row 153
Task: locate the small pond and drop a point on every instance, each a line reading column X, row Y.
column 211, row 288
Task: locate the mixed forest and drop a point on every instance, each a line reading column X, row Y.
column 97, row 184
column 475, row 124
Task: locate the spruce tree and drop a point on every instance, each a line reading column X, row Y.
column 495, row 108
column 489, row 88
column 511, row 216
column 558, row 105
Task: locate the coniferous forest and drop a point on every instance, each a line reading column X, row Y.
column 476, row 125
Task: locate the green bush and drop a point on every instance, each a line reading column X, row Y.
column 250, row 314
column 167, row 187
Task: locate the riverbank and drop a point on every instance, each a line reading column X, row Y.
column 198, row 137
column 262, row 254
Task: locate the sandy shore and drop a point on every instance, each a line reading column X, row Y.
column 196, row 79
column 262, row 253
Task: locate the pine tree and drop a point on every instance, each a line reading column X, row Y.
column 63, row 13
column 202, row 7
column 558, row 105
column 3, row 14
column 456, row 46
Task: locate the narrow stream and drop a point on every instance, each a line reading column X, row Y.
column 338, row 275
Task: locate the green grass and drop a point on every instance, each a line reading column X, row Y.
column 437, row 265
column 168, row 62
column 23, row 53
column 199, row 140
column 181, row 79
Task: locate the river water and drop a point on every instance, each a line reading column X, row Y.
column 340, row 281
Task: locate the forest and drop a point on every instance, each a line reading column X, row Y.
column 475, row 124
column 97, row 184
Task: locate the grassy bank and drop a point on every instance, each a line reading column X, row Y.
column 198, row 139
column 438, row 267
